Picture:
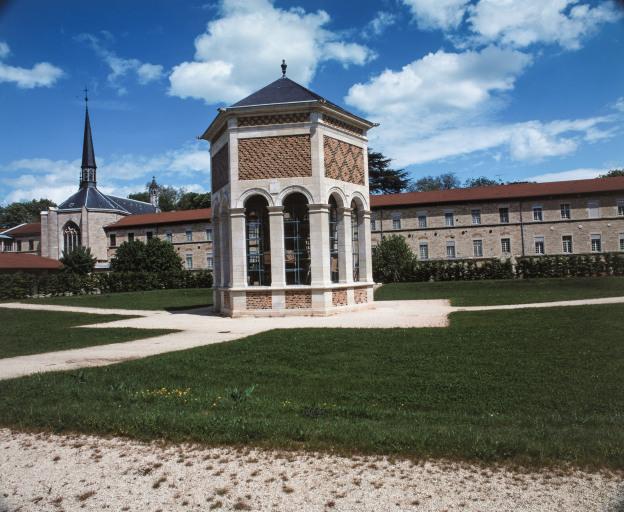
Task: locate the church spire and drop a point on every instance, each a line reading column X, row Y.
column 88, row 176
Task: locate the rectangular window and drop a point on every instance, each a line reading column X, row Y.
column 450, row 249
column 189, row 261
column 422, row 221
column 373, row 221
column 31, row 245
column 621, row 241
column 506, row 245
column 19, row 246
column 209, row 234
column 209, row 261
column 596, row 243
column 538, row 214
column 169, row 237
column 423, row 251
column 130, row 237
column 113, row 240
column 620, row 206
column 449, row 219
column 566, row 243
column 593, row 209
column 149, row 235
column 503, row 213
column 189, row 235
column 396, row 221
column 477, row 248
column 476, row 216
column 539, row 245
column 565, row 211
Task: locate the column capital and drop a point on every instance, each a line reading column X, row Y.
column 318, row 208
column 275, row 210
column 345, row 211
column 365, row 213
column 237, row 212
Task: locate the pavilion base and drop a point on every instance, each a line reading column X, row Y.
column 267, row 301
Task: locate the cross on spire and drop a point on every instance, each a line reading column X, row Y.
column 284, row 66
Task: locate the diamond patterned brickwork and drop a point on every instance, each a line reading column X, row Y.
column 343, row 161
column 274, row 157
column 296, row 299
column 296, row 117
column 220, row 168
column 341, row 125
column 259, row 300
column 339, row 297
column 360, row 295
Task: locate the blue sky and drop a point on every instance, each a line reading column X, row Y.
column 509, row 89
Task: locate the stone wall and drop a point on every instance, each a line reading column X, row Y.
column 343, row 161
column 360, row 295
column 298, row 299
column 339, row 297
column 259, row 300
column 287, row 156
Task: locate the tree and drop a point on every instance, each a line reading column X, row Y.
column 613, row 173
column 22, row 212
column 481, row 181
column 194, row 200
column 171, row 198
column 140, row 196
column 393, row 260
column 446, row 181
column 382, row 178
column 78, row 261
column 155, row 256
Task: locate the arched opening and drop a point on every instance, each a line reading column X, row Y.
column 355, row 240
column 71, row 237
column 296, row 239
column 258, row 241
column 333, row 240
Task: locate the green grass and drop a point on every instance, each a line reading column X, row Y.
column 533, row 387
column 487, row 293
column 154, row 299
column 34, row 332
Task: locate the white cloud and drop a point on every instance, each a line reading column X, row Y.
column 381, row 22
column 619, row 104
column 119, row 175
column 42, row 74
column 573, row 174
column 524, row 22
column 437, row 14
column 242, row 49
column 120, row 67
column 4, row 50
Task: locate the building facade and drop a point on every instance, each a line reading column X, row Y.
column 506, row 221
column 290, row 205
column 190, row 232
column 24, row 238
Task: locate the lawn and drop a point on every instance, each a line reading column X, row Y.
column 520, row 291
column 34, row 332
column 170, row 300
column 533, row 387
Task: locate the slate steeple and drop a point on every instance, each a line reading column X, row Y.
column 88, row 174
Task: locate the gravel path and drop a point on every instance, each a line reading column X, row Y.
column 44, row 472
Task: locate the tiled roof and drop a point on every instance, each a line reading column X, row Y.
column 33, row 228
column 19, row 261
column 152, row 219
column 500, row 192
column 93, row 199
column 283, row 90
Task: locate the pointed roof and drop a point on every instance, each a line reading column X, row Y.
column 283, row 90
column 88, row 154
column 92, row 199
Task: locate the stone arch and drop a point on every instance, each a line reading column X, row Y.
column 253, row 192
column 362, row 202
column 339, row 195
column 291, row 189
column 72, row 237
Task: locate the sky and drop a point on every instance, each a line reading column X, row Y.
column 507, row 89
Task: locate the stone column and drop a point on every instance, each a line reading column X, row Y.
column 238, row 245
column 276, row 234
column 366, row 259
column 319, row 244
column 345, row 254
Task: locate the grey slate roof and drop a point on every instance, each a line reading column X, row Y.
column 88, row 154
column 283, row 90
column 93, row 199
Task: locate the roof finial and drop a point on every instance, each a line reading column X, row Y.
column 284, row 66
column 86, row 91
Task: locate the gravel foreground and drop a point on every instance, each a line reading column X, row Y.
column 41, row 472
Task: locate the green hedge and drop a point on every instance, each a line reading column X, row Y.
column 574, row 265
column 461, row 270
column 21, row 285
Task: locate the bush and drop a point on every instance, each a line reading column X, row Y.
column 393, row 260
column 462, row 270
column 574, row 265
column 79, row 261
column 21, row 285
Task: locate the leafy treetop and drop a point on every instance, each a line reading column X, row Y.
column 23, row 212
